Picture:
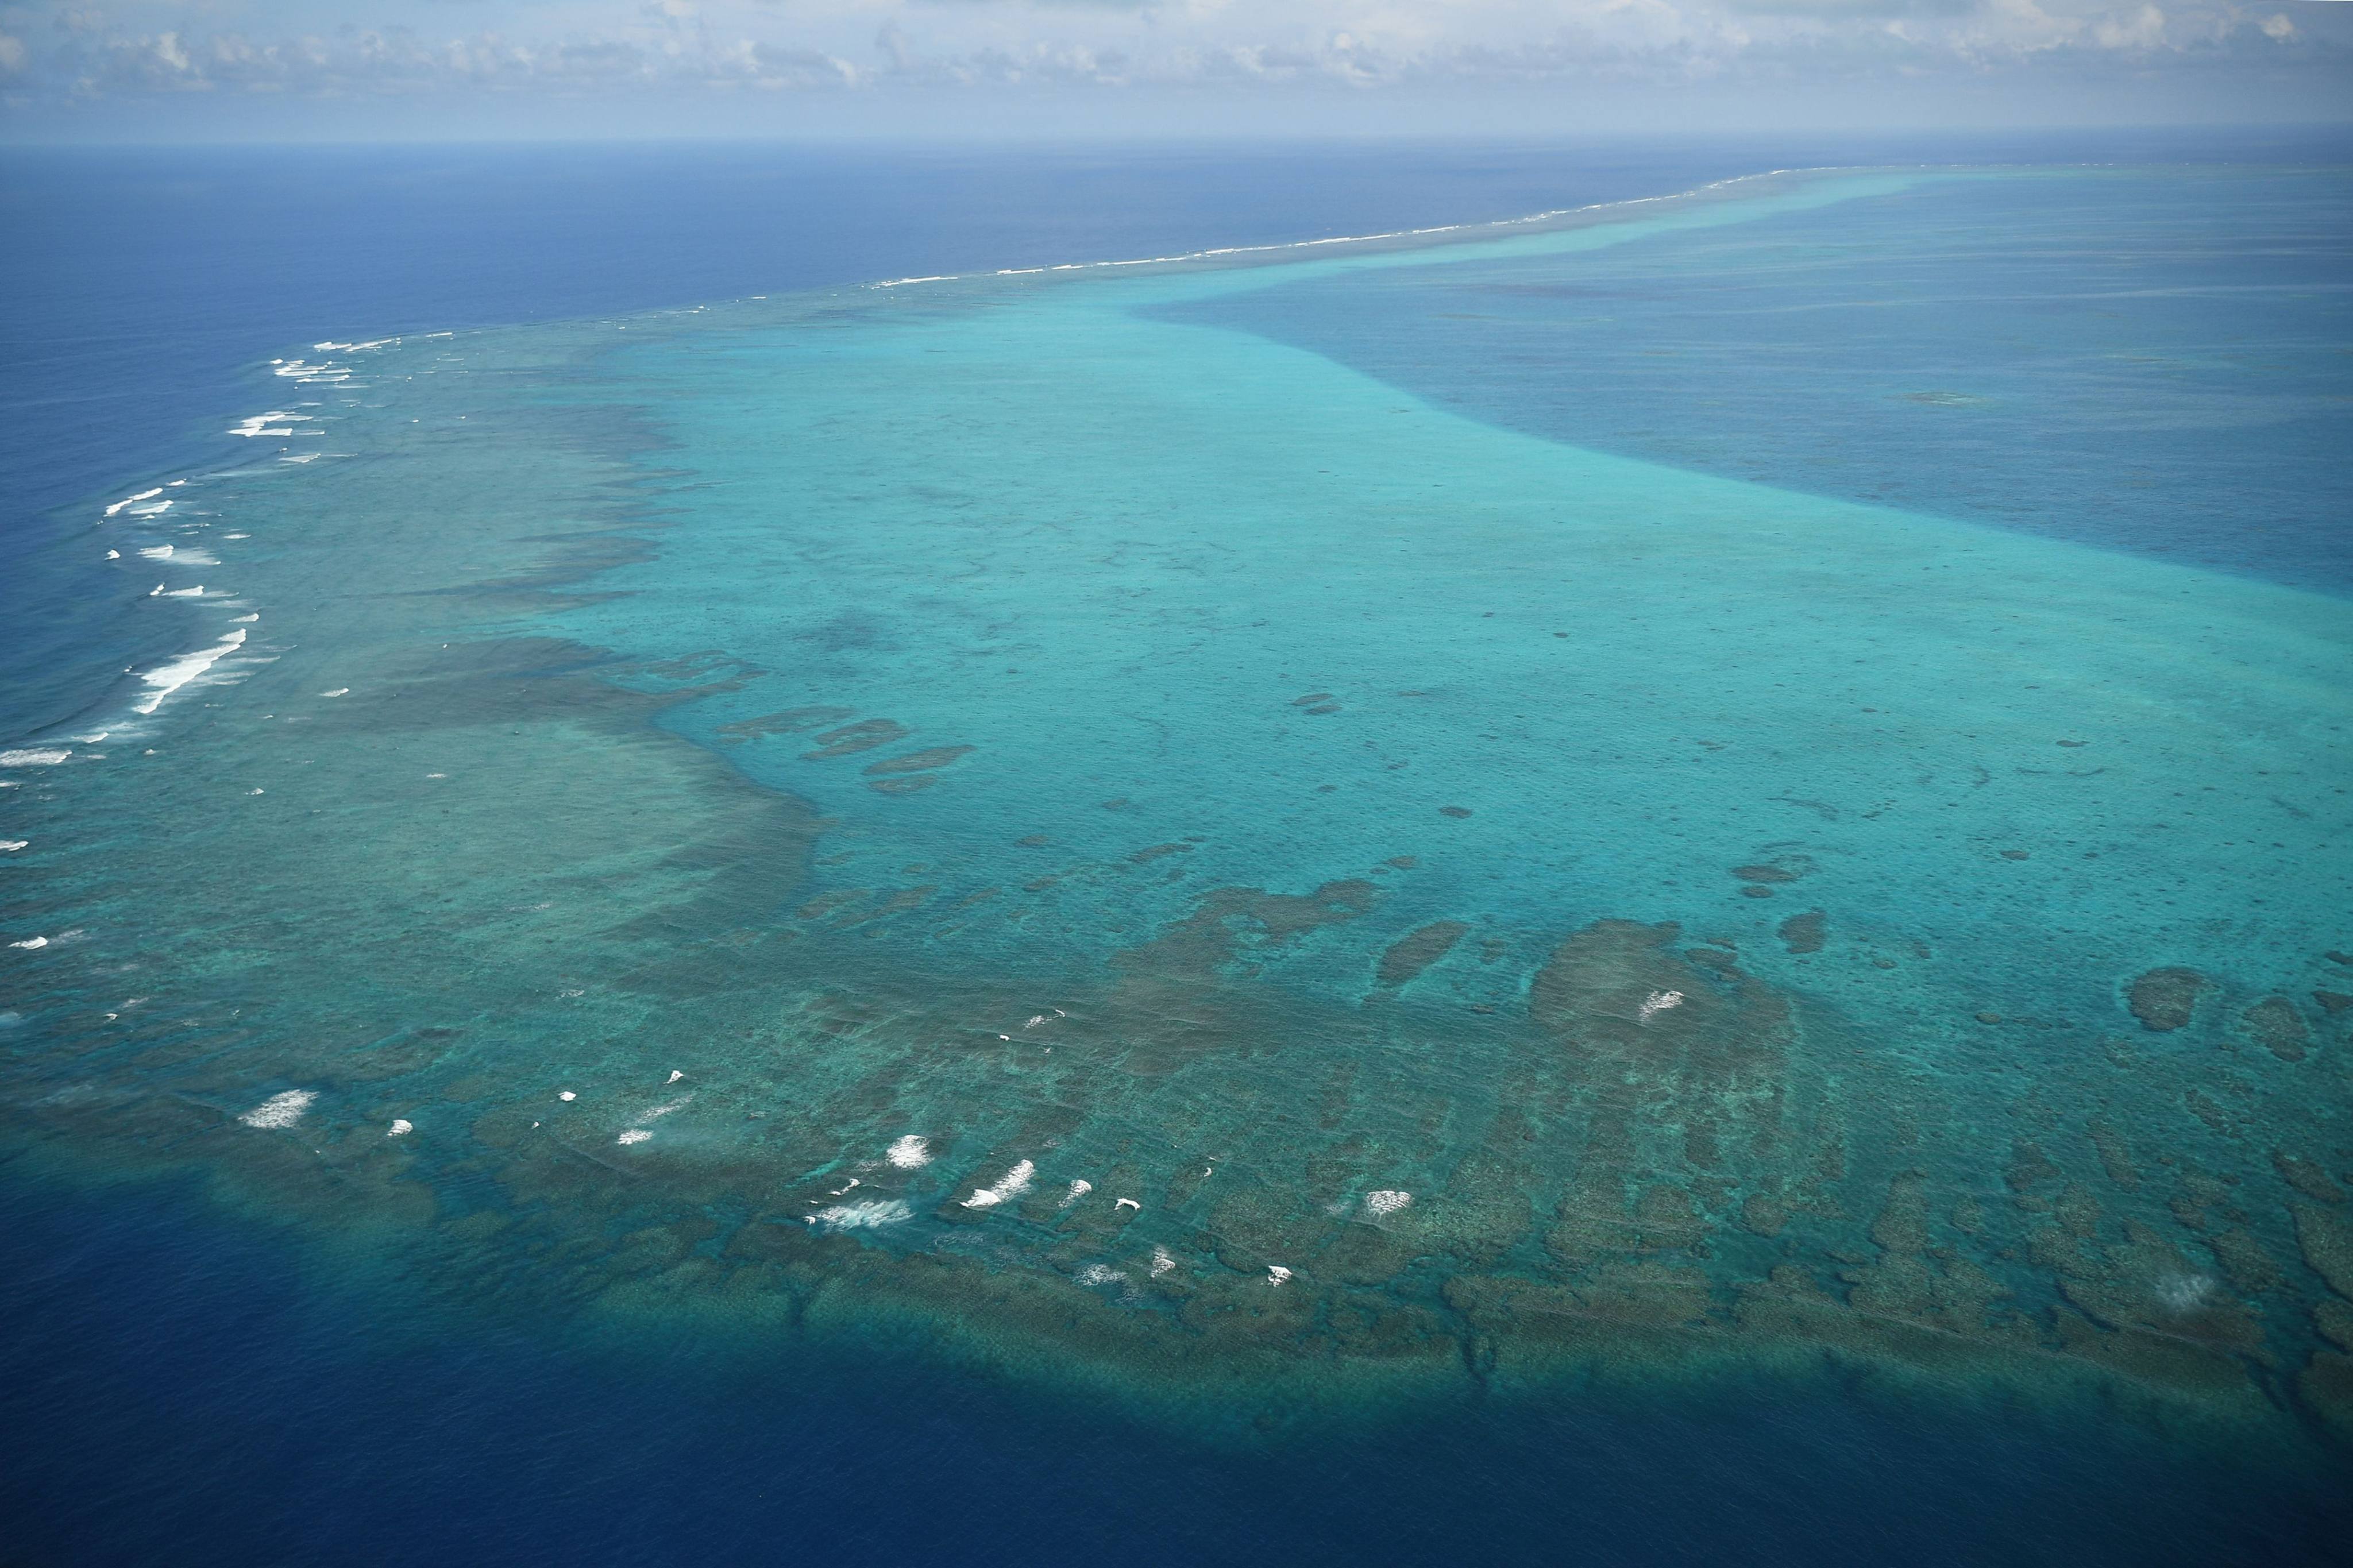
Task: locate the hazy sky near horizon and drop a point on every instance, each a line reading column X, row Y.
column 116, row 70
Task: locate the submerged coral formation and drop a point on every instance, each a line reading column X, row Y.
column 1208, row 1089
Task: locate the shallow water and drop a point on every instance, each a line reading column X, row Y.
column 1153, row 833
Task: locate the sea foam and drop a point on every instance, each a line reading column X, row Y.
column 167, row 679
column 871, row 1213
column 1658, row 1002
column 1012, row 1184
column 281, row 1109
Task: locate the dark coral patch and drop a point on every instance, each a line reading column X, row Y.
column 1231, row 923
column 862, row 736
column 2326, row 1243
column 1416, row 951
column 2278, row 1027
column 2306, row 1177
column 918, row 762
column 2163, row 999
column 1803, row 933
column 784, row 723
column 1601, row 990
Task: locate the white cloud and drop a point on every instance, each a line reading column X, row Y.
column 779, row 67
column 575, row 47
column 2141, row 30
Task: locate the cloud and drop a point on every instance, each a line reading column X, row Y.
column 1851, row 9
column 1059, row 4
column 777, row 67
column 582, row 48
column 2142, row 29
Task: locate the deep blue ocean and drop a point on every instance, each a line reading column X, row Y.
column 183, row 1382
column 183, row 1392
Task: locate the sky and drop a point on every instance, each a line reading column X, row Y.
column 103, row 71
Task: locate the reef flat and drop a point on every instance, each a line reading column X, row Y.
column 1133, row 853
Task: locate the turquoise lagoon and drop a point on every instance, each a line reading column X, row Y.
column 1154, row 826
